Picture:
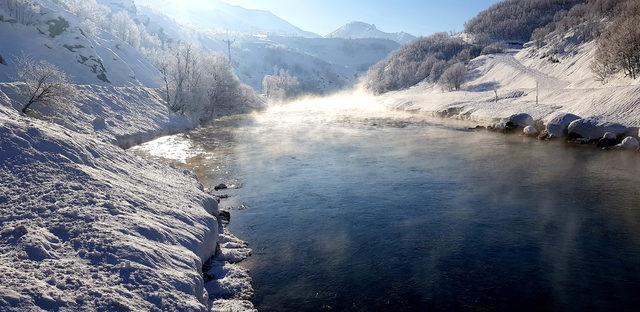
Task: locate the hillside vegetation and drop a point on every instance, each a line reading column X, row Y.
column 554, row 28
column 516, row 20
column 424, row 59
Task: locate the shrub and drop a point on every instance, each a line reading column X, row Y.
column 46, row 83
column 453, row 77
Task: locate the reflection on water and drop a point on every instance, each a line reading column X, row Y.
column 367, row 210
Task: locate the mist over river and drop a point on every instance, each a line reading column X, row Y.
column 349, row 206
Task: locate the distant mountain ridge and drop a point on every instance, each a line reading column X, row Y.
column 219, row 16
column 362, row 30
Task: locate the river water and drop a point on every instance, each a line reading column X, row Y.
column 348, row 206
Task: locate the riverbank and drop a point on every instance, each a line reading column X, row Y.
column 87, row 225
column 522, row 82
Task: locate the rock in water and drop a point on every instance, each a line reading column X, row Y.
column 593, row 129
column 608, row 140
column 521, row 120
column 630, row 144
column 557, row 126
column 530, row 131
column 221, row 186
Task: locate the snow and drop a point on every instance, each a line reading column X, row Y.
column 151, row 226
column 558, row 124
column 131, row 115
column 551, row 93
column 86, row 225
column 98, row 59
column 521, row 120
column 593, row 128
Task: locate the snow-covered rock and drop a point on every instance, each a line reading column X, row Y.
column 88, row 226
column 593, row 129
column 521, row 120
column 558, row 125
column 630, row 143
column 609, row 136
column 530, row 131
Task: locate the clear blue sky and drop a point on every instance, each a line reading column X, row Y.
column 419, row 17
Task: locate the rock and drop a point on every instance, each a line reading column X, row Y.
column 225, row 216
column 530, row 131
column 630, row 144
column 221, row 186
column 557, row 126
column 521, row 120
column 608, row 140
column 593, row 129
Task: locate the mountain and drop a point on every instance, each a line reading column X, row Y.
column 360, row 30
column 222, row 17
column 60, row 37
column 321, row 64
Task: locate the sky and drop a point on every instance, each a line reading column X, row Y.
column 418, row 17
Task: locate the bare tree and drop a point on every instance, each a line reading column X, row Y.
column 453, row 78
column 46, row 83
column 23, row 11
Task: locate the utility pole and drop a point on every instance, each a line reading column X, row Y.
column 229, row 42
column 537, row 91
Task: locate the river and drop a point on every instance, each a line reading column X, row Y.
column 349, row 206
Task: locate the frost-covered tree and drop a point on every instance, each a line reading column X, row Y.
column 45, row 82
column 422, row 60
column 23, row 11
column 516, row 20
column 619, row 49
column 92, row 14
column 125, row 29
column 280, row 86
column 453, row 77
column 200, row 84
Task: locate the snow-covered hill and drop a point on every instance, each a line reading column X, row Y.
column 57, row 36
column 563, row 84
column 360, row 30
column 216, row 15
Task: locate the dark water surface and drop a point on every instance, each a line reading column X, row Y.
column 363, row 211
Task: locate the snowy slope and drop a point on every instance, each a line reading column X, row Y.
column 222, row 17
column 87, row 226
column 360, row 30
column 565, row 86
column 120, row 115
column 57, row 38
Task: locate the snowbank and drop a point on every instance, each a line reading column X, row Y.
column 516, row 79
column 86, row 225
column 124, row 116
column 89, row 226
